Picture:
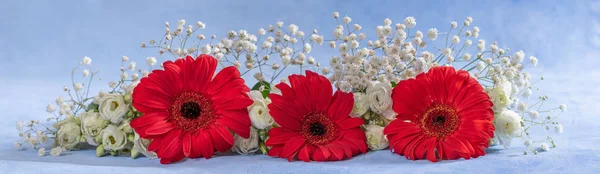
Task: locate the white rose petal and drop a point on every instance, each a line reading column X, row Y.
column 361, row 105
column 112, row 107
column 141, row 146
column 68, row 134
column 508, row 126
column 375, row 137
column 91, row 126
column 246, row 146
column 500, row 95
column 259, row 112
column 113, row 138
column 379, row 96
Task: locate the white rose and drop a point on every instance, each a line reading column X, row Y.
column 113, row 138
column 140, row 145
column 91, row 125
column 380, row 99
column 500, row 95
column 375, row 137
column 246, row 146
column 68, row 134
column 259, row 112
column 508, row 126
column 112, row 107
column 361, row 105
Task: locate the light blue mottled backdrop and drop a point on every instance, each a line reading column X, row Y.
column 40, row 41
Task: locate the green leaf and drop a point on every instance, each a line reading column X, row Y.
column 92, row 106
column 265, row 93
column 394, row 84
column 261, row 83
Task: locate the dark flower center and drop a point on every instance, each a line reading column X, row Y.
column 440, row 120
column 190, row 110
column 317, row 129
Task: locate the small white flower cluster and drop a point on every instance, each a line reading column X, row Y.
column 101, row 120
column 250, row 53
column 396, row 54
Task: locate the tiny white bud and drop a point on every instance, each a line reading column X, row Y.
column 85, row 73
column 454, row 24
column 86, row 60
column 563, row 108
column 347, row 19
column 77, row 86
column 151, row 61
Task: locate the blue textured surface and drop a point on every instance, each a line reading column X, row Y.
column 578, row 152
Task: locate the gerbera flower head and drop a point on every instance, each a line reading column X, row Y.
column 189, row 113
column 313, row 124
column 442, row 114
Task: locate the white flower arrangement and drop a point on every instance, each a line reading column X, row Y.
column 367, row 67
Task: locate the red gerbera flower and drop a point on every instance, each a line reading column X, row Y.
column 187, row 112
column 442, row 114
column 314, row 125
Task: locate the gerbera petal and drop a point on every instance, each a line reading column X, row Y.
column 221, row 138
column 147, row 101
column 279, row 135
column 148, row 119
column 187, row 143
column 398, row 126
column 321, row 154
column 283, row 104
column 233, row 100
column 275, row 151
column 155, row 145
column 320, row 89
column 340, row 106
column 282, row 119
column 171, row 144
column 239, row 128
column 203, row 144
column 160, row 127
column 176, row 158
column 300, row 86
column 336, row 150
column 201, row 72
column 351, row 123
column 292, row 147
column 304, row 153
column 225, row 79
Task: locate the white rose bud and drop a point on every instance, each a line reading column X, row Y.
column 68, row 134
column 259, row 112
column 508, row 126
column 380, row 99
column 113, row 138
column 112, row 107
column 375, row 137
column 140, row 145
column 361, row 105
column 500, row 95
column 246, row 146
column 91, row 126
